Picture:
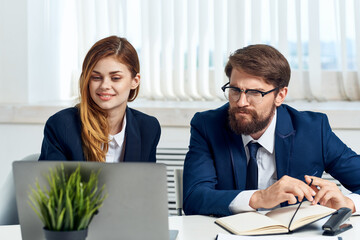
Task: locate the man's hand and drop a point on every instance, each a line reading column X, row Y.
column 285, row 189
column 328, row 194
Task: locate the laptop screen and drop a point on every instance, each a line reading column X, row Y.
column 136, row 206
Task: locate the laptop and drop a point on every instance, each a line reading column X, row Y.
column 136, row 206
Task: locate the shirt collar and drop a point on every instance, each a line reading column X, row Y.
column 119, row 137
column 267, row 140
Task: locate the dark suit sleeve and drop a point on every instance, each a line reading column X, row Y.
column 340, row 161
column 52, row 145
column 152, row 156
column 200, row 177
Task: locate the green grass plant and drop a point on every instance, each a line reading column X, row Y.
column 68, row 203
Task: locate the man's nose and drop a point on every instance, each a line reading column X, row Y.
column 242, row 100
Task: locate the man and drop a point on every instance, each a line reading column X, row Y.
column 255, row 152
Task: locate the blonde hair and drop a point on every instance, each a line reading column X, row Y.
column 95, row 128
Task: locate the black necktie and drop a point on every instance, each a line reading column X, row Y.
column 252, row 168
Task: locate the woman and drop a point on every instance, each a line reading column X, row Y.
column 101, row 127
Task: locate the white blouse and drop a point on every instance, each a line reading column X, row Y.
column 115, row 152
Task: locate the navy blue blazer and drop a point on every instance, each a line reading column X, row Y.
column 62, row 137
column 215, row 165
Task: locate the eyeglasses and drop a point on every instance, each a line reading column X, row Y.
column 252, row 95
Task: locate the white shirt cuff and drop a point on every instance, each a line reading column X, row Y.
column 356, row 200
column 241, row 202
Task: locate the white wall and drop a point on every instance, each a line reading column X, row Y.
column 18, row 141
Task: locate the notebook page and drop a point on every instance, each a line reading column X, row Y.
column 244, row 223
column 306, row 214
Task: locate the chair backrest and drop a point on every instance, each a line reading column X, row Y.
column 8, row 208
column 178, row 178
column 32, row 157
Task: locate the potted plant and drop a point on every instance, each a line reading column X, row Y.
column 68, row 206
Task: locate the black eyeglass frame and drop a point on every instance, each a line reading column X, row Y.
column 223, row 88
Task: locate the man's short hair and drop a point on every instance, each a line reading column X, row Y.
column 262, row 61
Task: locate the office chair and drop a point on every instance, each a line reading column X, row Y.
column 178, row 179
column 8, row 208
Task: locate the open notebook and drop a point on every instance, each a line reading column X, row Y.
column 136, row 206
column 275, row 221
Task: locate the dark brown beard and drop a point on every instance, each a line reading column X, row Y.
column 257, row 124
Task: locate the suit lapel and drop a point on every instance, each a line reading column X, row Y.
column 133, row 138
column 284, row 137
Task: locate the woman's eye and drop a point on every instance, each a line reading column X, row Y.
column 115, row 78
column 95, row 78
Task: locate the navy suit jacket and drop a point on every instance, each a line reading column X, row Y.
column 215, row 165
column 62, row 137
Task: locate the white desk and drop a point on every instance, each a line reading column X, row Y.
column 10, row 232
column 203, row 228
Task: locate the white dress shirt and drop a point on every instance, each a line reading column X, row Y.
column 115, row 151
column 267, row 176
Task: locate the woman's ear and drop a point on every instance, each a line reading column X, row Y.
column 135, row 81
column 280, row 97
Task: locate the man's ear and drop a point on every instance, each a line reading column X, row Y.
column 280, row 97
